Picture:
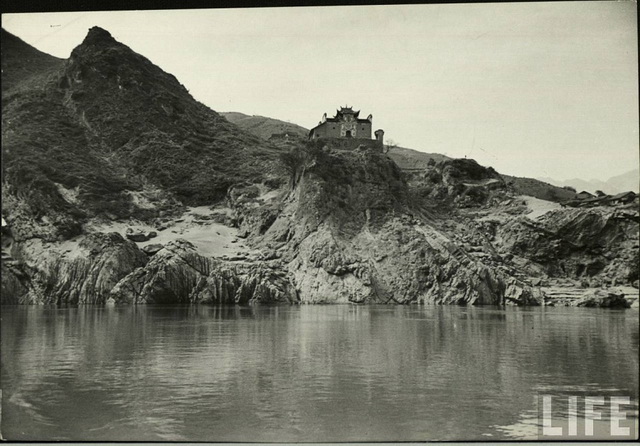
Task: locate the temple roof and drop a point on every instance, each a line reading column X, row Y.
column 346, row 111
column 339, row 116
column 337, row 119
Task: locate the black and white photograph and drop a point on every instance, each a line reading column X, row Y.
column 321, row 223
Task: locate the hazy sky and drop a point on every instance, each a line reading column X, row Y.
column 532, row 89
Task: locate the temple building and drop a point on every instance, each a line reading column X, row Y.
column 345, row 124
column 347, row 131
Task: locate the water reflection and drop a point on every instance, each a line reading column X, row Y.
column 301, row 373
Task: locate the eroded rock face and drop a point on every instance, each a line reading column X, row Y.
column 84, row 273
column 15, row 285
column 325, row 270
column 351, row 234
column 593, row 245
column 51, row 224
column 349, row 231
column 392, row 264
column 178, row 274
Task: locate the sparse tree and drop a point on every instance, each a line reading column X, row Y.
column 390, row 144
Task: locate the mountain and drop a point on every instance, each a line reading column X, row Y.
column 624, row 182
column 120, row 187
column 629, row 181
column 263, row 127
column 109, row 128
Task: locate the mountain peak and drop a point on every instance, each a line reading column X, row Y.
column 97, row 36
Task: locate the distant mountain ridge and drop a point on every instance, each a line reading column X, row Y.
column 628, row 181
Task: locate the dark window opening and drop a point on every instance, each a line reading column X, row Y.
column 348, row 134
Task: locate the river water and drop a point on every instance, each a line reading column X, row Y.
column 306, row 373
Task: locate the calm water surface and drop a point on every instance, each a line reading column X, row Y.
column 304, row 373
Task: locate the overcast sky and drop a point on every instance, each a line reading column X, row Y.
column 532, row 89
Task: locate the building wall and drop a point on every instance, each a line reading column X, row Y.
column 363, row 130
column 327, row 129
column 334, row 130
column 352, row 143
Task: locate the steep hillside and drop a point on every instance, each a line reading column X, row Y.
column 21, row 63
column 107, row 132
column 264, row 127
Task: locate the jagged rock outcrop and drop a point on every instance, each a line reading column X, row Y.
column 82, row 272
column 402, row 262
column 29, row 220
column 461, row 183
column 349, row 232
column 178, row 274
column 594, row 245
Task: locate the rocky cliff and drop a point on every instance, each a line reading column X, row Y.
column 352, row 230
column 178, row 274
column 597, row 246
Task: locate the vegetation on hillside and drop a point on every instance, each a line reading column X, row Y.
column 22, row 64
column 264, row 127
column 81, row 135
